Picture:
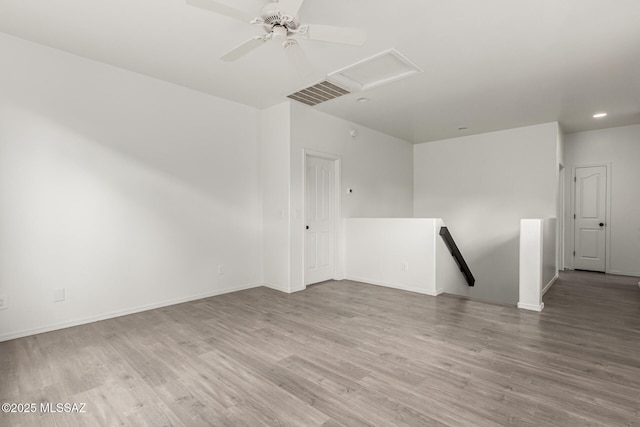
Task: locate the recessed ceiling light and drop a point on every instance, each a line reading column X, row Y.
column 599, row 115
column 363, row 100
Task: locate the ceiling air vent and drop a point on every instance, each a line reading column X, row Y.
column 321, row 92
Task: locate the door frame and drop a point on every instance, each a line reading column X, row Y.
column 338, row 245
column 572, row 207
column 562, row 208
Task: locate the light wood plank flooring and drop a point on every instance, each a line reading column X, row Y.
column 343, row 354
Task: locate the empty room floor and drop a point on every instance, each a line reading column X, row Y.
column 342, row 353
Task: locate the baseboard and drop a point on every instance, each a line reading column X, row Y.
column 394, row 286
column 276, row 287
column 119, row 313
column 615, row 273
column 550, row 284
column 531, row 307
column 622, row 273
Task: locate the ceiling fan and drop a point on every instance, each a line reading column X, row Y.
column 280, row 21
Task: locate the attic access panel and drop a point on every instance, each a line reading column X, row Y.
column 384, row 68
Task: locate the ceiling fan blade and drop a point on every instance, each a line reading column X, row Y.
column 244, row 48
column 290, row 7
column 343, row 35
column 297, row 58
column 221, row 9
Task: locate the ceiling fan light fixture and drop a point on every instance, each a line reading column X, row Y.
column 279, row 33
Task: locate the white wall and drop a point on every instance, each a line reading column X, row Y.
column 538, row 268
column 619, row 147
column 378, row 167
column 482, row 186
column 401, row 253
column 126, row 191
column 275, row 147
column 377, row 248
column 530, row 279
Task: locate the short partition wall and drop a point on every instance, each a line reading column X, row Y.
column 400, row 253
column 538, row 269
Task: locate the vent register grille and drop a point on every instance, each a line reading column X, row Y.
column 318, row 93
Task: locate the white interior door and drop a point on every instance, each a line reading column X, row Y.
column 590, row 218
column 320, row 221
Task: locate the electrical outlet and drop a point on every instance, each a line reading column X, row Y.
column 221, row 269
column 4, row 302
column 405, row 266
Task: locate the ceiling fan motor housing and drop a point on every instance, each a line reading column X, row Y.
column 272, row 16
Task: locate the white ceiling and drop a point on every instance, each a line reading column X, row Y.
column 488, row 65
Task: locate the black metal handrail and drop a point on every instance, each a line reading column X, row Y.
column 457, row 255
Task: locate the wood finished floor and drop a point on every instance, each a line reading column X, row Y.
column 343, row 354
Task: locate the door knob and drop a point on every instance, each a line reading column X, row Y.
column 602, row 224
column 307, row 227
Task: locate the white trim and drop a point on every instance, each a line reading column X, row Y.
column 437, row 224
column 320, row 154
column 607, row 247
column 531, row 307
column 394, row 286
column 560, row 230
column 338, row 268
column 550, row 284
column 119, row 313
column 284, row 289
column 623, row 273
